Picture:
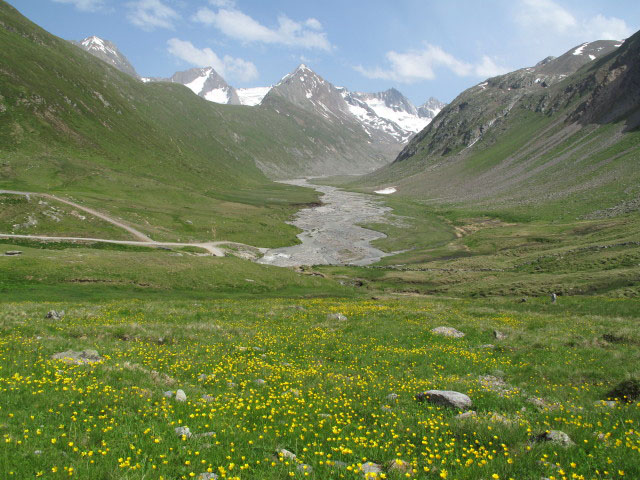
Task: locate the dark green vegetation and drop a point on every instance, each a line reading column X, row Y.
column 325, row 391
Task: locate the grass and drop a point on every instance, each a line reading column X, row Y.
column 325, row 396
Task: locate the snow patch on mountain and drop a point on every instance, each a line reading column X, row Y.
column 252, row 96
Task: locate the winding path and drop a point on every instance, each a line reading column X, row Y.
column 144, row 240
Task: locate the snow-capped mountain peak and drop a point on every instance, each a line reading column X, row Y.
column 208, row 84
column 107, row 52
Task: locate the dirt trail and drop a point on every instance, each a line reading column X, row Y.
column 143, row 241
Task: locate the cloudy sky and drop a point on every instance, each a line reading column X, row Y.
column 422, row 47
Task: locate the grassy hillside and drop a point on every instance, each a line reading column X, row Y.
column 168, row 162
column 565, row 150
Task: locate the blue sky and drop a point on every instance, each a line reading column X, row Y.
column 423, row 48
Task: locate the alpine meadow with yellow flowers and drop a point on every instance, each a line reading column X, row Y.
column 318, row 389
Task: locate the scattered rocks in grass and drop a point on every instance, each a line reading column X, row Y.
column 557, row 437
column 259, row 381
column 626, row 391
column 448, row 332
column 284, row 453
column 304, row 468
column 183, row 432
column 370, row 469
column 54, row 314
column 494, row 384
column 13, row 253
column 181, row 396
column 498, row 335
column 207, row 476
column 400, row 466
column 446, row 398
column 337, row 316
column 393, row 397
column 77, row 358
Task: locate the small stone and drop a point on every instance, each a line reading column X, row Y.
column 465, row 415
column 207, row 476
column 498, row 335
column 338, row 464
column 392, row 397
column 204, row 435
column 294, row 392
column 400, row 466
column 284, row 453
column 447, row 398
column 38, row 452
column 203, row 377
column 324, row 415
column 208, row 398
column 183, row 432
column 385, row 408
column 555, row 436
column 12, row 253
column 181, row 396
column 55, row 315
column 496, row 417
column 303, row 467
column 447, row 332
column 232, row 385
column 259, row 381
column 168, row 394
column 370, row 469
column 337, row 316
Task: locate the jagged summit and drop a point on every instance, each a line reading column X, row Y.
column 208, row 84
column 107, row 52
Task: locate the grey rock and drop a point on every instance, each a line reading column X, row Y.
column 465, row 415
column 304, row 468
column 77, row 358
column 208, row 398
column 338, row 464
column 284, row 453
column 168, row 394
column 232, row 385
column 12, row 253
column 392, row 397
column 499, row 335
column 181, row 396
column 371, row 467
column 207, row 476
column 555, row 436
column 55, row 315
column 386, row 408
column 324, row 415
column 400, row 466
column 446, row 398
column 37, row 452
column 204, row 435
column 447, row 332
column 337, row 316
column 259, row 381
column 183, row 431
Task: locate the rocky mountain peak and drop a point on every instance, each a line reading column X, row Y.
column 107, row 52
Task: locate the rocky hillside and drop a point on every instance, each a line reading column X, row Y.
column 564, row 130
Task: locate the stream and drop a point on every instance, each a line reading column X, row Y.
column 330, row 234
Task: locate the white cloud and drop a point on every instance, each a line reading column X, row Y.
column 85, row 5
column 547, row 18
column 223, row 3
column 417, row 65
column 238, row 25
column 228, row 67
column 545, row 14
column 151, row 14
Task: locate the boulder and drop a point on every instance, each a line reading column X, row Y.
column 284, row 453
column 207, row 476
column 12, row 253
column 183, row 432
column 337, row 316
column 400, row 466
column 446, row 398
column 498, row 335
column 181, row 396
column 448, row 332
column 371, row 469
column 55, row 315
